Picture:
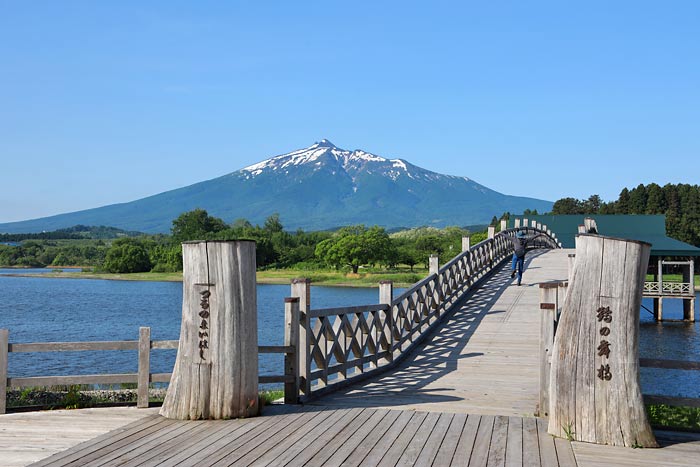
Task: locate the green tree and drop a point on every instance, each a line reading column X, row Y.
column 127, row 255
column 196, row 225
column 355, row 246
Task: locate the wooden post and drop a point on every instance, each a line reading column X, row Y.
column 386, row 297
column 504, row 224
column 291, row 338
column 525, row 223
column 517, row 223
column 572, row 260
column 466, row 243
column 301, row 287
column 594, row 382
column 434, row 265
column 548, row 315
column 4, row 342
column 216, row 370
column 492, row 231
column 144, row 375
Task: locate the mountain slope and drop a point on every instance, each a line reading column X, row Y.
column 318, row 187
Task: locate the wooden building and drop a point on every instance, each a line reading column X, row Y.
column 671, row 265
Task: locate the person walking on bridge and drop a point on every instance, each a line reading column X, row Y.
column 520, row 241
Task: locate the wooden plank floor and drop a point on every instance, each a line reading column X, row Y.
column 485, row 360
column 316, row 436
column 29, row 436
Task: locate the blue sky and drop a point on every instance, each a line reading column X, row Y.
column 106, row 102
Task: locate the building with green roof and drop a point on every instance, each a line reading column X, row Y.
column 668, row 255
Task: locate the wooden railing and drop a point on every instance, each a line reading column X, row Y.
column 552, row 295
column 668, row 288
column 142, row 378
column 342, row 345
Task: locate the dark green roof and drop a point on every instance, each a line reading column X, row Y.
column 647, row 228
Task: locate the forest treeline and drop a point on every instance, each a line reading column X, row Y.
column 347, row 248
column 680, row 203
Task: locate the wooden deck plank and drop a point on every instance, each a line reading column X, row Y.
column 157, row 447
column 402, row 441
column 367, row 417
column 241, row 457
column 480, row 453
column 377, row 453
column 296, row 441
column 434, row 442
column 98, row 441
column 89, row 453
column 449, row 444
column 219, row 427
column 548, row 453
column 514, row 444
column 370, row 441
column 236, row 433
column 418, row 442
column 531, row 443
column 565, row 453
column 308, row 445
column 499, row 437
column 466, row 443
column 349, row 445
column 165, row 431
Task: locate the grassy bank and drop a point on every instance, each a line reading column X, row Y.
column 674, row 418
column 366, row 278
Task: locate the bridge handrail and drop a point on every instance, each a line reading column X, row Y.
column 340, row 345
column 142, row 378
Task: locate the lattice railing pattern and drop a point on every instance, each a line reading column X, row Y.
column 668, row 288
column 343, row 343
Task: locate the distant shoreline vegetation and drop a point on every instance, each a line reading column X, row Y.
column 352, row 255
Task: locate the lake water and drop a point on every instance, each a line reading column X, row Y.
column 50, row 310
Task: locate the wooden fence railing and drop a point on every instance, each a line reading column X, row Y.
column 142, row 378
column 341, row 345
column 552, row 295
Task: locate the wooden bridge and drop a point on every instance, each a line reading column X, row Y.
column 445, row 374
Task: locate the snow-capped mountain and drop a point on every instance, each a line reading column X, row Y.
column 318, row 187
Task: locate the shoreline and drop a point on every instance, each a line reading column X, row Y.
column 177, row 277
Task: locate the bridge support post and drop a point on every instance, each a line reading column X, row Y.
column 594, row 394
column 301, row 287
column 4, row 341
column 386, row 297
column 291, row 338
column 549, row 304
column 433, row 264
column 216, row 370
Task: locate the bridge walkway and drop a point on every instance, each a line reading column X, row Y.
column 484, row 360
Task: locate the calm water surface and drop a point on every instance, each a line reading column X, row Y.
column 41, row 310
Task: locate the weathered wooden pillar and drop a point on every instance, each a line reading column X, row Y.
column 301, row 287
column 548, row 316
column 4, row 340
column 291, row 338
column 386, row 297
column 466, row 243
column 594, row 383
column 570, row 264
column 433, row 264
column 144, row 372
column 216, row 370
